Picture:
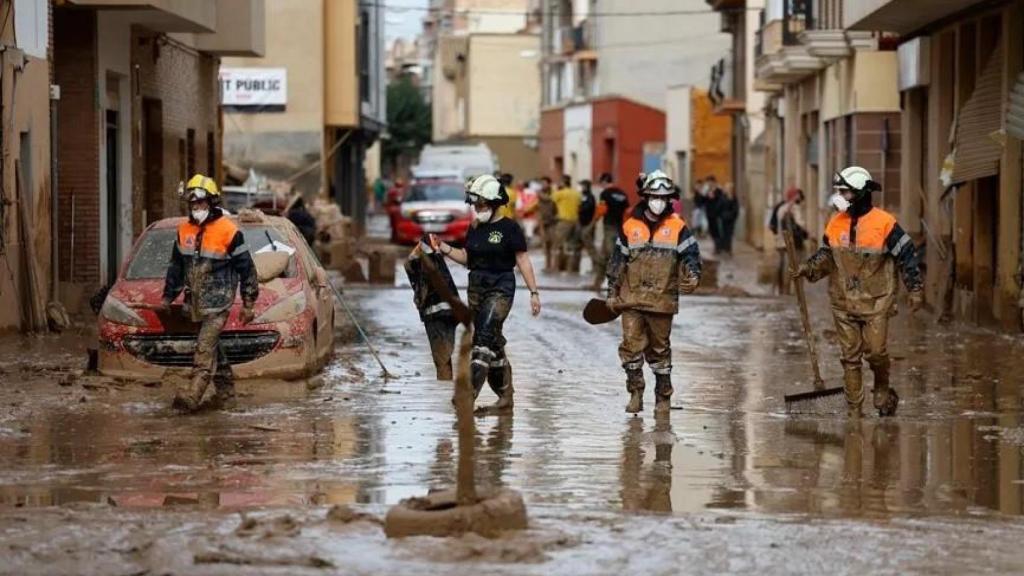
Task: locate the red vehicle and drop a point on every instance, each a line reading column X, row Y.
column 432, row 206
column 292, row 335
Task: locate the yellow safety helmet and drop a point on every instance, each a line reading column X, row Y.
column 201, row 187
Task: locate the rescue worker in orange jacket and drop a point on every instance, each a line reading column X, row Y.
column 861, row 253
column 656, row 258
column 209, row 261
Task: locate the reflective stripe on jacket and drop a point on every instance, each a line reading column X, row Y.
column 650, row 261
column 209, row 261
column 861, row 255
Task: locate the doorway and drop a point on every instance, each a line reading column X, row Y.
column 113, row 195
column 153, row 160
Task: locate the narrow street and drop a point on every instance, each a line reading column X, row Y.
column 101, row 477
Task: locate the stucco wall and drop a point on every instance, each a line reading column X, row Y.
column 503, row 85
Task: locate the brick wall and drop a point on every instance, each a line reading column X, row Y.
column 868, row 130
column 75, row 71
column 182, row 84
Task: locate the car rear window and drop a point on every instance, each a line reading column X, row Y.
column 154, row 254
column 435, row 192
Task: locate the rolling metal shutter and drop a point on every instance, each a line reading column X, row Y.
column 977, row 153
column 1015, row 117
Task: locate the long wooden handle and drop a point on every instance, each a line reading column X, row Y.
column 798, row 285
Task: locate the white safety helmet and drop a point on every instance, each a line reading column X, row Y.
column 486, row 188
column 658, row 183
column 854, row 178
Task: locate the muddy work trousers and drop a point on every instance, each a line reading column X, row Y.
column 490, row 308
column 863, row 338
column 210, row 362
column 565, row 244
column 609, row 234
column 441, row 335
column 646, row 336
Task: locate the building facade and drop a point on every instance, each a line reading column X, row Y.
column 594, row 58
column 114, row 102
column 959, row 77
column 330, row 102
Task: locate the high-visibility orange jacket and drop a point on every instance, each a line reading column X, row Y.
column 861, row 256
column 650, row 261
column 208, row 262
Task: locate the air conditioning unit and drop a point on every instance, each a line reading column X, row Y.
column 915, row 63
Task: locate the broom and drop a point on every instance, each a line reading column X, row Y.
column 796, row 401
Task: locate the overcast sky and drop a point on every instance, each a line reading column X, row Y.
column 403, row 23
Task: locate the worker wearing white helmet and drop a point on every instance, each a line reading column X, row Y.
column 495, row 246
column 656, row 259
column 861, row 252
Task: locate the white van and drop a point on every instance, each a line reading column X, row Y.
column 465, row 160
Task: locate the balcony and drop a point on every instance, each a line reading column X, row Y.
column 722, row 90
column 719, row 5
column 241, row 26
column 163, row 15
column 781, row 56
column 829, row 45
column 903, row 17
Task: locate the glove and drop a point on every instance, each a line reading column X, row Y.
column 165, row 305
column 802, row 272
column 916, row 300
column 248, row 314
column 689, row 284
column 613, row 304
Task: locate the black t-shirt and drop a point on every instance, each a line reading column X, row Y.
column 587, row 209
column 493, row 246
column 617, row 202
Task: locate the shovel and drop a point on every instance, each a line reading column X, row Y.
column 819, row 391
column 597, row 312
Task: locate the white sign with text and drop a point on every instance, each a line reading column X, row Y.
column 253, row 86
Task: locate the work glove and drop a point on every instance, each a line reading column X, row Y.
column 165, row 305
column 916, row 300
column 689, row 284
column 801, row 272
column 248, row 314
column 614, row 304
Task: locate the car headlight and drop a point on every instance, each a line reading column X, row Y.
column 118, row 312
column 409, row 213
column 288, row 308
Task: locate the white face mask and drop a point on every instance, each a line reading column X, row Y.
column 200, row 215
column 840, row 203
column 657, row 205
column 482, row 215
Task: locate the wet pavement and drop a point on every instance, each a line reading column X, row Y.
column 101, row 477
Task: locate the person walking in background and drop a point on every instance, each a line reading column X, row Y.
column 509, row 209
column 567, row 201
column 380, row 190
column 297, row 213
column 787, row 214
column 698, row 219
column 547, row 217
column 712, row 208
column 587, row 224
column 611, row 209
column 728, row 213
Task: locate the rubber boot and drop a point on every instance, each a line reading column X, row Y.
column 854, row 389
column 500, row 380
column 662, row 392
column 635, row 386
column 885, row 398
column 224, row 394
column 574, row 262
column 187, row 399
column 477, row 376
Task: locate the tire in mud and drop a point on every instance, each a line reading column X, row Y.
column 438, row 515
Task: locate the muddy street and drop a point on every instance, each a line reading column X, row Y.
column 100, row 476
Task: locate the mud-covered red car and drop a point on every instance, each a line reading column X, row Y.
column 292, row 335
column 432, row 206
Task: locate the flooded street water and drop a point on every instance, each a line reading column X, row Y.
column 102, row 477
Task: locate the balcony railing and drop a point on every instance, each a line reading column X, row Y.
column 777, row 34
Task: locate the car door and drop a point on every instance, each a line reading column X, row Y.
column 319, row 283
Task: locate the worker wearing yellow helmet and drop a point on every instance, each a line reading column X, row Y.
column 209, row 262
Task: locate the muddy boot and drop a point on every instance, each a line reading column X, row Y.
column 854, row 389
column 662, row 392
column 635, row 386
column 223, row 396
column 885, row 398
column 187, row 398
column 500, row 379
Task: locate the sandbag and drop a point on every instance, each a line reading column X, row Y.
column 270, row 265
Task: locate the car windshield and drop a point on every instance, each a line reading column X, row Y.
column 154, row 253
column 435, row 192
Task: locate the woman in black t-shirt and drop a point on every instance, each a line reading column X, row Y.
column 494, row 247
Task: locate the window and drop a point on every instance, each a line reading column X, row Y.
column 364, row 56
column 190, row 153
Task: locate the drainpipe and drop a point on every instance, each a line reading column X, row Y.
column 54, row 200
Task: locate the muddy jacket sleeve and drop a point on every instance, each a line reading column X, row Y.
column 902, row 249
column 689, row 254
column 820, row 264
column 241, row 261
column 174, row 283
column 617, row 264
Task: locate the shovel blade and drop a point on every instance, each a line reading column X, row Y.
column 813, row 395
column 596, row 312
